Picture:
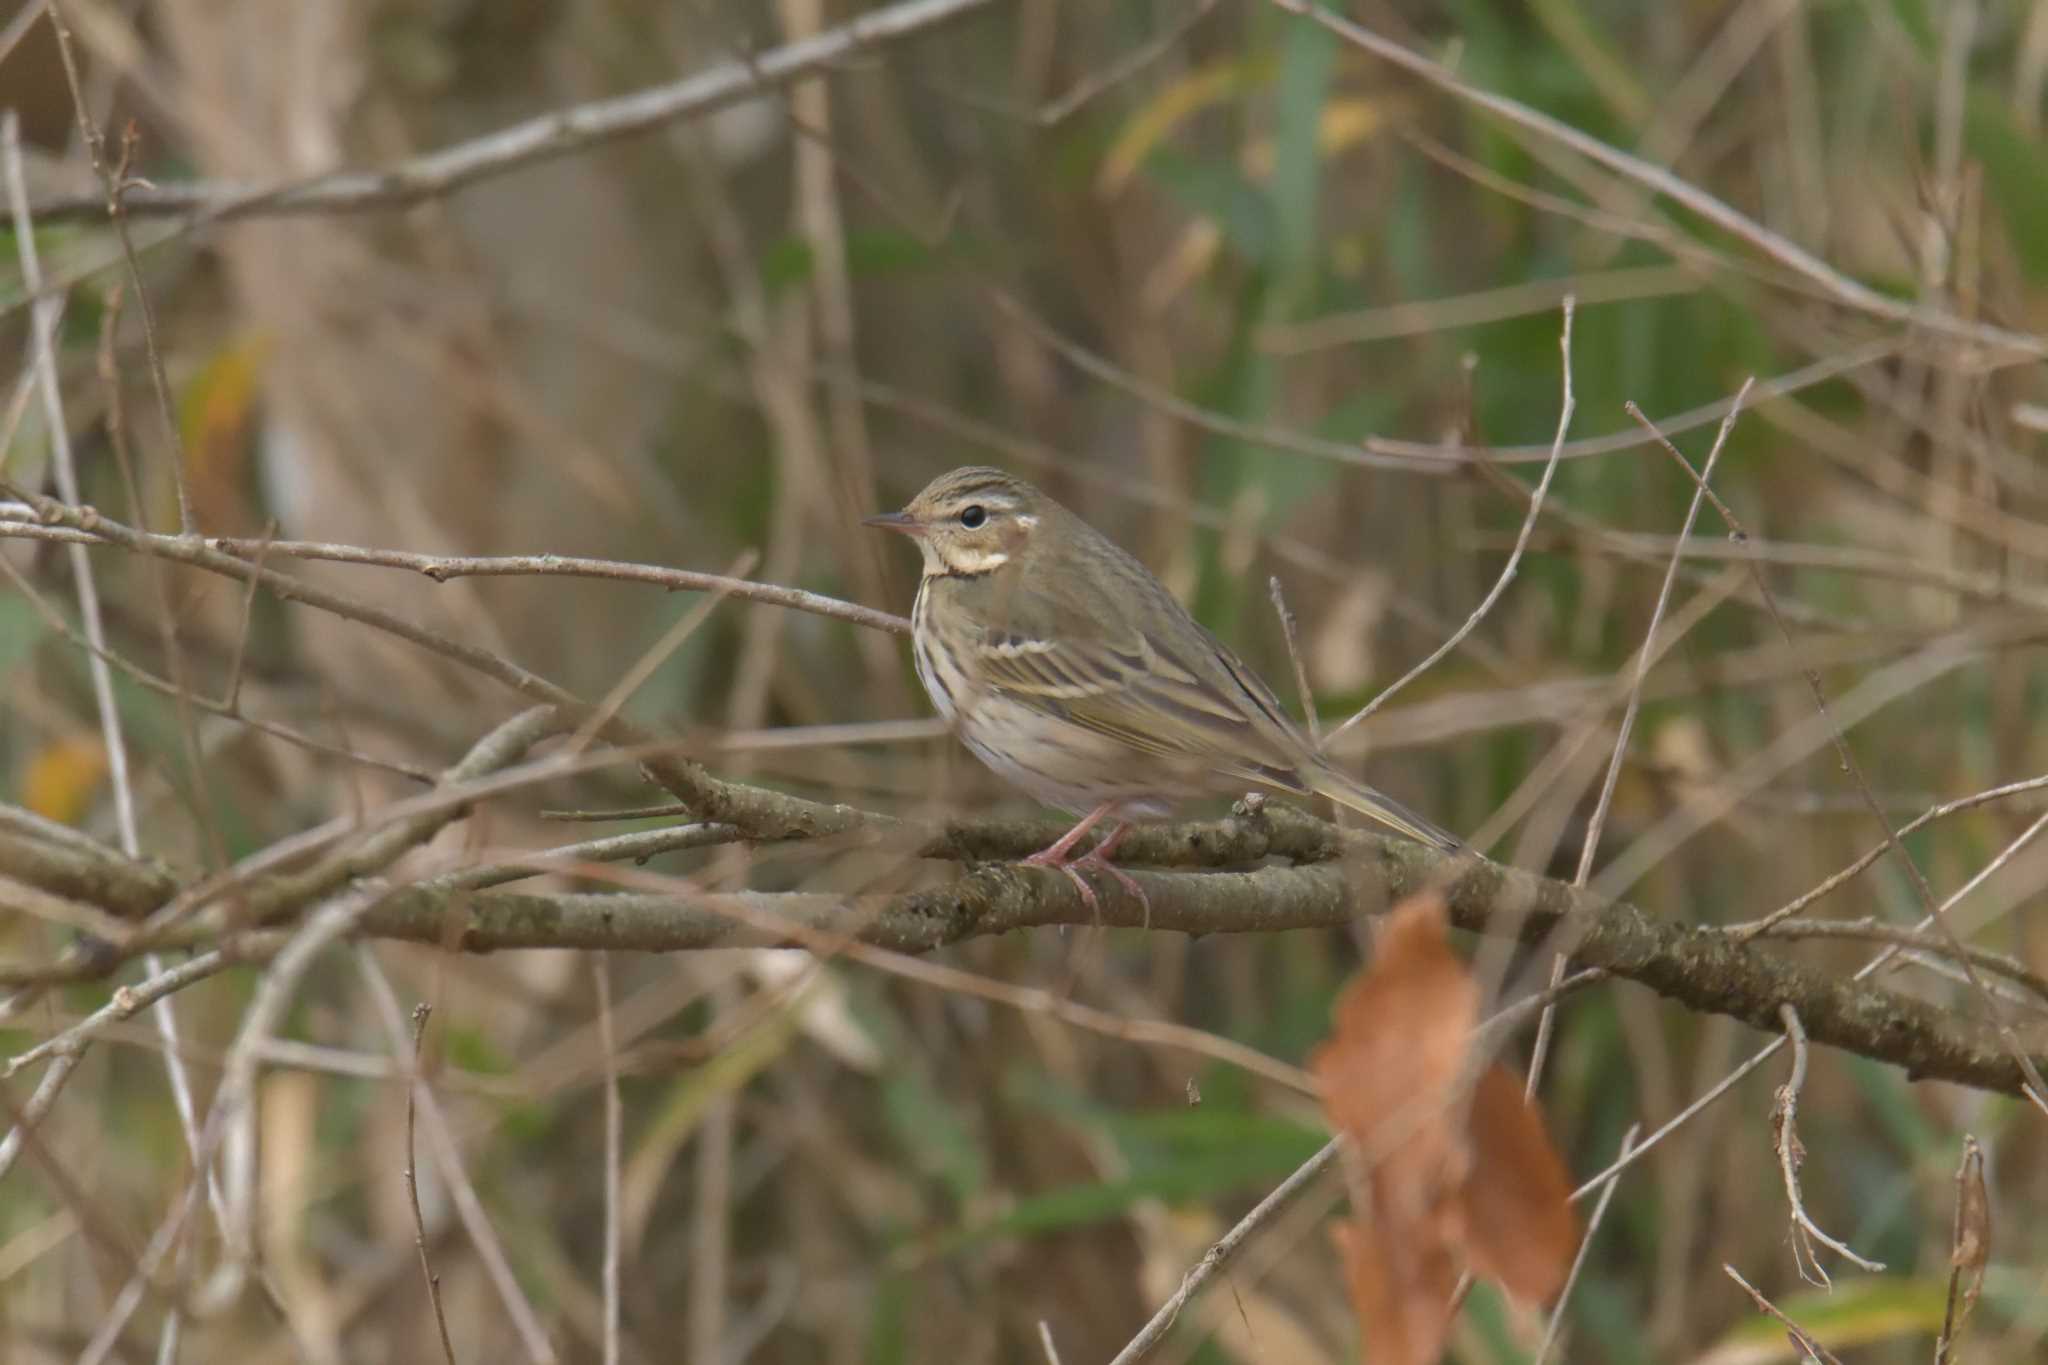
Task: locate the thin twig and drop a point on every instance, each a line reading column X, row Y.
column 1590, row 847
column 664, row 811
column 231, row 694
column 1507, row 573
column 165, row 687
column 562, row 132
column 17, row 27
column 1744, row 932
column 182, row 697
column 1870, row 929
column 1791, row 1155
column 413, row 1082
column 658, row 653
column 1800, row 1339
column 1840, row 287
column 42, row 320
column 2037, row 1087
column 614, row 1122
column 63, row 1061
column 126, row 1002
column 442, row 568
column 1635, row 693
column 1770, row 1049
column 637, row 846
column 113, row 181
column 447, row 1154
column 1550, row 1329
column 1290, row 629
column 1057, row 111
column 1154, row 1332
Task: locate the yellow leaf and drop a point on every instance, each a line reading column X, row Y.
column 1343, row 125
column 62, row 776
column 1170, row 108
column 213, row 419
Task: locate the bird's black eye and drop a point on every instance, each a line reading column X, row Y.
column 974, row 516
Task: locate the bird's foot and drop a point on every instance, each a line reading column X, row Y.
column 1073, row 874
column 1060, row 856
column 1096, row 859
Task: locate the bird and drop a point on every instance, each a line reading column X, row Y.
column 1072, row 672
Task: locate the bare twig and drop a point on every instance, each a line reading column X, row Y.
column 447, row 1154
column 1745, row 932
column 1800, row 1340
column 1921, row 944
column 658, row 653
column 1550, row 1329
column 1590, row 847
column 1791, row 1154
column 1840, row 287
column 1290, row 629
column 113, row 182
column 413, row 1082
column 166, row 687
column 42, row 322
column 1154, row 1332
column 442, row 568
column 1057, row 111
column 1507, row 573
column 24, row 19
column 1863, row 973
column 126, row 1002
column 64, row 1059
column 231, row 694
column 166, row 610
column 563, row 132
column 600, row 969
column 2037, row 1087
column 638, row 846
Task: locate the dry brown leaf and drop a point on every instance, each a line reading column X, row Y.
column 1970, row 1251
column 1438, row 1178
column 1518, row 1196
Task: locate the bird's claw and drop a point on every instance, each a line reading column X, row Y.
column 1072, row 867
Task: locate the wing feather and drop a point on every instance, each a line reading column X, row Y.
column 1135, row 690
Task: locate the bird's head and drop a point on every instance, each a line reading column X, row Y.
column 970, row 522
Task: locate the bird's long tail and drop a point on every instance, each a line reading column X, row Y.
column 1324, row 780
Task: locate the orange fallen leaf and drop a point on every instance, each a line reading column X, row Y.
column 1445, row 1170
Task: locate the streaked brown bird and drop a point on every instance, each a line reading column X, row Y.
column 1065, row 666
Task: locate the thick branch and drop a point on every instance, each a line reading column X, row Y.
column 1703, row 969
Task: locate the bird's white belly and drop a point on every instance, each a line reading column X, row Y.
column 1056, row 762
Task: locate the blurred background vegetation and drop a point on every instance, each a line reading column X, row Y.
column 1182, row 302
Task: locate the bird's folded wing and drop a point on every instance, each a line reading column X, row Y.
column 1134, row 690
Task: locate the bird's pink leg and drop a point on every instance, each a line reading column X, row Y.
column 1098, row 857
column 1060, row 852
column 1061, row 855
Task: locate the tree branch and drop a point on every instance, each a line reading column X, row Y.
column 1709, row 970
column 561, row 133
column 1703, row 969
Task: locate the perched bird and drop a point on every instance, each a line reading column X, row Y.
column 1065, row 666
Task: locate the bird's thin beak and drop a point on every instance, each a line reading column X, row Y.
column 896, row 521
